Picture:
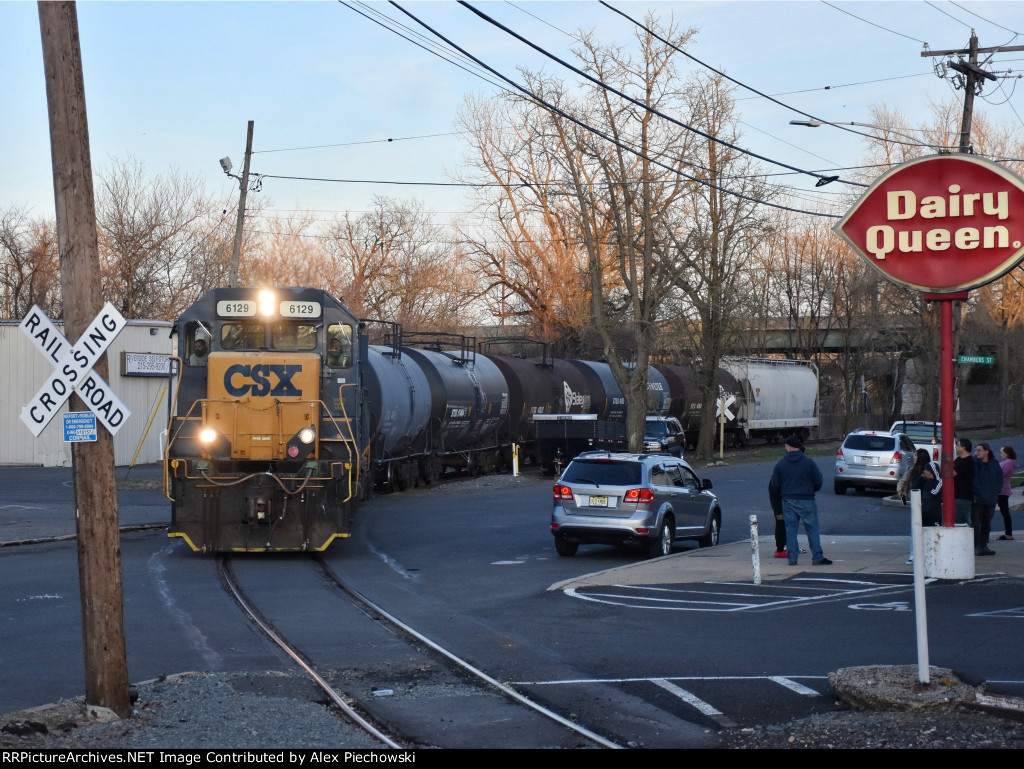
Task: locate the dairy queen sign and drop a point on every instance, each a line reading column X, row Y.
column 943, row 223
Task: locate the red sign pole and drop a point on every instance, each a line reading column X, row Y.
column 946, row 401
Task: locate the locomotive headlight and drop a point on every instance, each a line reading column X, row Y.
column 306, row 435
column 267, row 302
column 208, row 435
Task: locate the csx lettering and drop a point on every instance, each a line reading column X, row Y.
column 256, row 380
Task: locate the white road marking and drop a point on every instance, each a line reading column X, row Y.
column 793, row 686
column 676, row 598
column 695, row 702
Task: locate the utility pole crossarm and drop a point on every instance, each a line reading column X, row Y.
column 965, row 51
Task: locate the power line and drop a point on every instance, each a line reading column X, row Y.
column 968, row 10
column 744, row 85
column 630, row 99
column 834, row 87
column 858, row 18
column 946, row 13
column 547, row 105
column 354, row 144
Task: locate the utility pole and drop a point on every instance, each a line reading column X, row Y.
column 99, row 545
column 974, row 75
column 236, row 254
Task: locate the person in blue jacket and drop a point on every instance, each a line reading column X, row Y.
column 796, row 478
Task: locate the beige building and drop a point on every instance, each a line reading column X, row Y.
column 138, row 360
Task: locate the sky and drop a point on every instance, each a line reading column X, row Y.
column 172, row 85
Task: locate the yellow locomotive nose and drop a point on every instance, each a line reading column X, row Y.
column 262, row 404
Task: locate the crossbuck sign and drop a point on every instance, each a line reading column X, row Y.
column 73, row 370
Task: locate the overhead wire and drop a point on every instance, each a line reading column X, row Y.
column 946, row 13
column 630, row 99
column 647, row 29
column 989, row 21
column 353, row 144
column 547, row 105
column 873, row 24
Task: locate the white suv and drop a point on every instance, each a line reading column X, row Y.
column 872, row 459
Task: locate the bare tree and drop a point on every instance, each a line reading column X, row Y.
column 528, row 248
column 394, row 263
column 722, row 224
column 30, row 264
column 151, row 232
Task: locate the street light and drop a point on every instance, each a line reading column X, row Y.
column 916, row 142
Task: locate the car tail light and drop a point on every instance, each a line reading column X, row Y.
column 935, row 454
column 639, row 495
column 840, row 452
column 896, row 458
column 562, row 492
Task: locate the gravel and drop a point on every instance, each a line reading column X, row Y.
column 277, row 710
column 194, row 710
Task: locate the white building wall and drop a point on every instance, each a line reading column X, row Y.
column 25, row 369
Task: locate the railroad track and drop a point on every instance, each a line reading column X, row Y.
column 385, row 677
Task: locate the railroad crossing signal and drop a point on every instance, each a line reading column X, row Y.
column 73, row 370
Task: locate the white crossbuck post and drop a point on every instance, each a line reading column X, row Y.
column 73, row 370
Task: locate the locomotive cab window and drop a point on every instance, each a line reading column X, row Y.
column 293, row 336
column 339, row 345
column 197, row 340
column 242, row 335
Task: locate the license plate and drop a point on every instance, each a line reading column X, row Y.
column 867, row 460
column 599, row 501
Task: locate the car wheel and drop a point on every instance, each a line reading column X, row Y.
column 566, row 548
column 839, row 488
column 711, row 538
column 663, row 544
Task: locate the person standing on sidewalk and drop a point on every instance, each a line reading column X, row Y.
column 780, row 522
column 988, row 482
column 1009, row 467
column 796, row 478
column 963, row 481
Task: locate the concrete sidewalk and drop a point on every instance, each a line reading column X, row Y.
column 734, row 562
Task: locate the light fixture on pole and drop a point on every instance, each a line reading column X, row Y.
column 915, row 142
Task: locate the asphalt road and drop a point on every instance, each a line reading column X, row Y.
column 470, row 566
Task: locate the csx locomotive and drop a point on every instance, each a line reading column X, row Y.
column 284, row 417
column 264, row 449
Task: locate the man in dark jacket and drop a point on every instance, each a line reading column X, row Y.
column 796, row 478
column 988, row 481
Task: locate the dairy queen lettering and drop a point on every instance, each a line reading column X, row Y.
column 941, row 223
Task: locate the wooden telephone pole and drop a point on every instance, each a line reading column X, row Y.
column 99, row 546
column 973, row 75
column 236, row 253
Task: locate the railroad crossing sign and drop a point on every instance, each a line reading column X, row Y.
column 725, row 402
column 73, row 370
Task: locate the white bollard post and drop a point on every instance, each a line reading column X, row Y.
column 515, row 460
column 755, row 551
column 920, row 610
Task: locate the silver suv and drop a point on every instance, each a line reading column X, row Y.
column 872, row 459
column 633, row 499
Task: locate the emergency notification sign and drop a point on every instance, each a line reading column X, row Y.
column 941, row 224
